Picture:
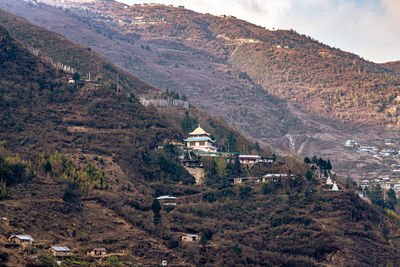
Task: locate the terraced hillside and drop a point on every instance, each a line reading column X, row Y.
column 80, row 171
column 279, row 87
column 288, row 65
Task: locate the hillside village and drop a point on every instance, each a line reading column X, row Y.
column 387, row 152
column 198, row 145
column 118, row 179
column 192, row 152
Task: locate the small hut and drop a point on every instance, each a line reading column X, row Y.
column 190, row 238
column 60, row 251
column 98, row 252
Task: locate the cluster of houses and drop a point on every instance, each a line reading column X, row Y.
column 388, row 154
column 27, row 241
column 386, row 183
column 200, row 143
column 164, row 103
column 270, row 177
column 391, row 149
column 135, row 20
column 156, row 4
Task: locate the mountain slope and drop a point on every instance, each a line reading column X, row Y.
column 334, row 83
column 394, row 66
column 297, row 222
column 306, row 110
column 173, row 67
column 39, row 109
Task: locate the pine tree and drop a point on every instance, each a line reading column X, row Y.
column 222, row 170
column 257, row 147
column 76, row 76
column 3, row 189
column 231, row 143
column 376, row 196
column 156, row 208
column 309, row 175
column 328, row 165
column 392, row 200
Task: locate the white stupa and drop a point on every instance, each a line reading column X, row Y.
column 329, row 181
column 335, row 187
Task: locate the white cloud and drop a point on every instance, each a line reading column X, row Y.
column 369, row 28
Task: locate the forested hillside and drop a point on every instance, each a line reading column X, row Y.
column 288, row 65
column 279, row 87
column 79, row 168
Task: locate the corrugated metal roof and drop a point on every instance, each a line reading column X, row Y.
column 24, row 237
column 249, row 156
column 60, row 249
column 166, row 197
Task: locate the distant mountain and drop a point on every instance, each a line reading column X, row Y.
column 394, row 66
column 288, row 65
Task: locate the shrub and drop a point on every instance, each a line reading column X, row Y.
column 91, row 177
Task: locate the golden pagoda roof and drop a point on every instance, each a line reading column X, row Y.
column 199, row 131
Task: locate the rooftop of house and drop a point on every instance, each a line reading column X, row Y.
column 250, row 156
column 23, row 237
column 176, row 143
column 166, row 197
column 60, row 249
column 275, row 175
column 100, row 249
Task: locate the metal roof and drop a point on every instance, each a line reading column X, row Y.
column 166, row 197
column 249, row 156
column 60, row 249
column 24, row 237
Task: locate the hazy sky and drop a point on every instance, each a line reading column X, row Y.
column 369, row 28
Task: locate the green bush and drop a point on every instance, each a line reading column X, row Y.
column 13, row 170
column 91, row 177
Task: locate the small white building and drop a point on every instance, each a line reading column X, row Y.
column 351, row 143
column 98, row 252
column 168, row 200
column 397, row 172
column 364, row 184
column 249, row 159
column 273, row 177
column 266, row 160
column 23, row 240
column 190, row 238
column 335, row 187
column 60, row 251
